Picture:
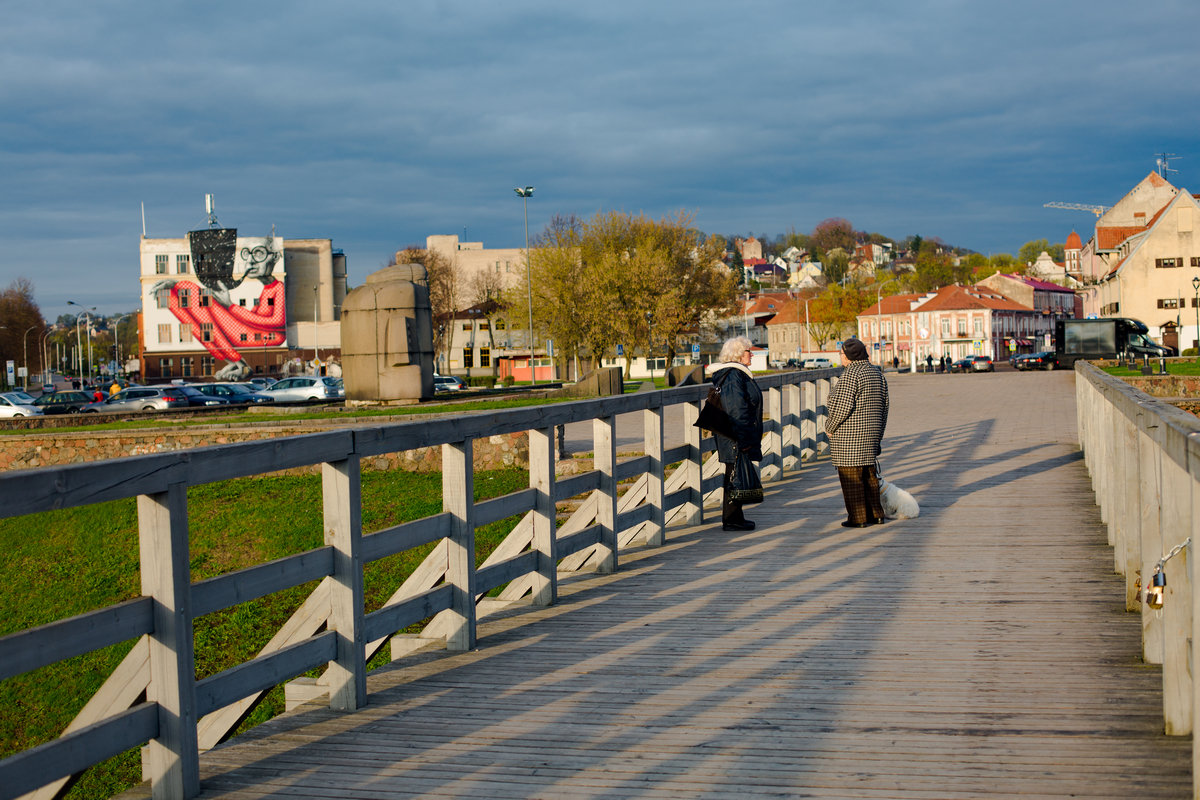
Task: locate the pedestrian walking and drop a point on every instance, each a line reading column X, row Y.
column 896, row 363
column 742, row 401
column 857, row 411
column 929, row 362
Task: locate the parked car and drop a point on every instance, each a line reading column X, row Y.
column 195, row 397
column 261, row 383
column 973, row 364
column 448, row 383
column 1047, row 359
column 141, row 398
column 18, row 404
column 240, row 393
column 306, row 388
column 817, row 363
column 67, row 402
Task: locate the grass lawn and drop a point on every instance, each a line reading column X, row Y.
column 1184, row 366
column 61, row 563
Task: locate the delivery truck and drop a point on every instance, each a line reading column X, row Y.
column 1109, row 337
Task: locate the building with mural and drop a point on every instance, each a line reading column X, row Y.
column 216, row 304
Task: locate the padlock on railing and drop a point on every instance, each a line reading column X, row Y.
column 1154, row 592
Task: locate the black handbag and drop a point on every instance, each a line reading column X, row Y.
column 745, row 487
column 713, row 417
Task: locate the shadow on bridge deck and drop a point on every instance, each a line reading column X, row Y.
column 981, row 650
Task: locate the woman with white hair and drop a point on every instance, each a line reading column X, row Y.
column 742, row 400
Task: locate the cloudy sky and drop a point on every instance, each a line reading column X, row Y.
column 378, row 123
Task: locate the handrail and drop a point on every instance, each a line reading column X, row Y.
column 1144, row 458
column 331, row 627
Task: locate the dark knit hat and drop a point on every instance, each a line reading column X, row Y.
column 855, row 350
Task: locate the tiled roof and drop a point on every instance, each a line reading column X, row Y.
column 1073, row 242
column 1110, row 238
column 892, row 304
column 951, row 298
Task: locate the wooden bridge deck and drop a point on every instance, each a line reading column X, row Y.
column 981, row 650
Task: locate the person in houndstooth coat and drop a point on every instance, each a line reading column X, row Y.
column 857, row 412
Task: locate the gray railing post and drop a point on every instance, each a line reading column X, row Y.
column 792, row 435
column 541, row 478
column 774, row 445
column 172, row 759
column 652, row 423
column 808, row 420
column 1176, row 621
column 604, row 454
column 458, row 498
column 341, row 486
column 822, row 441
column 694, row 466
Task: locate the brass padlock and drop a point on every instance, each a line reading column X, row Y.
column 1154, row 592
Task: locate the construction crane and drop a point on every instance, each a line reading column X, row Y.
column 1097, row 210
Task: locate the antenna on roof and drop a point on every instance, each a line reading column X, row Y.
column 1163, row 162
column 210, row 209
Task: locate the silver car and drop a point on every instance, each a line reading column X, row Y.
column 305, row 389
column 141, row 398
column 18, row 404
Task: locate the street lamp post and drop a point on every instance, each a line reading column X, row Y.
column 879, row 316
column 525, row 193
column 117, row 343
column 78, row 342
column 650, row 343
column 1196, row 302
column 25, row 352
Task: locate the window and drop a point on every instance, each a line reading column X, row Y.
column 183, row 264
column 468, row 358
column 1196, row 261
column 184, row 296
column 483, row 326
column 1166, row 263
column 206, row 365
column 466, row 326
column 485, row 356
column 160, row 264
column 185, row 332
column 945, row 328
column 978, row 327
column 962, row 327
column 206, row 331
column 164, row 367
column 501, row 325
column 162, row 298
column 1169, row 302
column 243, row 337
column 205, row 298
column 185, row 366
column 164, row 333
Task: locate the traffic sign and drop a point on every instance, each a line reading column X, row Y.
column 620, row 349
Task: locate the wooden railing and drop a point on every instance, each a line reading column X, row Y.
column 1144, row 459
column 153, row 697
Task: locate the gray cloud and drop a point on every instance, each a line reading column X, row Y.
column 377, row 123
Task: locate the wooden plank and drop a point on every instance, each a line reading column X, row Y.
column 346, row 675
column 508, row 505
column 405, row 536
column 251, row 583
column 656, row 522
column 604, row 455
column 458, row 489
column 57, row 641
column 581, row 540
column 262, row 673
column 171, row 762
column 384, row 622
column 575, row 485
column 632, row 468
column 304, row 623
column 488, row 578
column 73, row 752
column 544, row 521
